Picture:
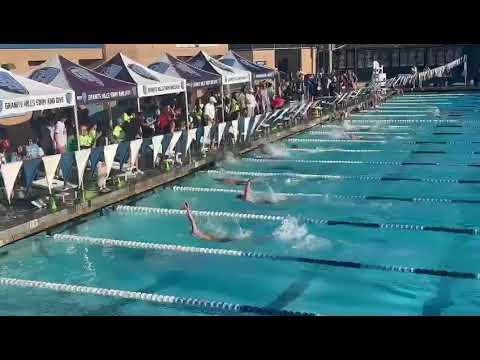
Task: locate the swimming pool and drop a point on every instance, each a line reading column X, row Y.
column 393, row 215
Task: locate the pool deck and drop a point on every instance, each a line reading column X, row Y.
column 38, row 221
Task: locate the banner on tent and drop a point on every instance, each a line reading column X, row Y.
column 153, row 90
column 35, row 103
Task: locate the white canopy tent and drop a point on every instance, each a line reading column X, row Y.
column 19, row 95
column 149, row 82
column 230, row 75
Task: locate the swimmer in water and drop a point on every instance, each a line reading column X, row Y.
column 248, row 195
column 199, row 233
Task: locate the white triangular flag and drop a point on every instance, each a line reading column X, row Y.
column 157, row 146
column 221, row 129
column 9, row 174
column 81, row 157
column 206, row 134
column 175, row 137
column 109, row 152
column 235, row 130
column 134, row 150
column 255, row 122
column 191, row 135
column 246, row 123
column 50, row 163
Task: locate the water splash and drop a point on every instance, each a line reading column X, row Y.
column 275, row 150
column 436, row 112
column 296, row 235
column 270, row 194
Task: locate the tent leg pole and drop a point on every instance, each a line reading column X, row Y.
column 186, row 108
column 77, row 131
column 138, row 104
column 223, row 106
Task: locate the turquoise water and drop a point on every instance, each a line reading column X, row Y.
column 289, row 285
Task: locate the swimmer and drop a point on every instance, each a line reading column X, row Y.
column 199, row 233
column 248, row 195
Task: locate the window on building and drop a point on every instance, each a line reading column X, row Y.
column 403, row 57
column 431, row 57
column 35, row 62
column 440, row 56
column 360, row 59
column 412, row 57
column 395, row 57
column 421, row 57
column 351, row 59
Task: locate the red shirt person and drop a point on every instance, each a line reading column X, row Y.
column 166, row 122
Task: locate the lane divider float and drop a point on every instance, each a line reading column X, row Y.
column 263, row 256
column 155, row 298
column 279, row 218
column 342, row 177
column 331, row 196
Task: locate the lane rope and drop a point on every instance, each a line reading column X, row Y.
column 354, row 162
column 263, row 256
column 277, row 218
column 330, row 196
column 155, row 298
column 342, row 177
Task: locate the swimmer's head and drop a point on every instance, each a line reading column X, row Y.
column 239, row 196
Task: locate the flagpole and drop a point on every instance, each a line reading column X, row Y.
column 465, row 67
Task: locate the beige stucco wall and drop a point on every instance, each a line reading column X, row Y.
column 21, row 57
column 309, row 63
column 148, row 53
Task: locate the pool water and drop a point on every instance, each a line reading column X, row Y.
column 290, row 285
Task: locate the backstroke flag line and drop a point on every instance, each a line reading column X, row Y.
column 50, row 163
column 134, row 150
column 191, row 135
column 9, row 174
column 157, row 146
column 109, row 152
column 221, row 129
column 81, row 157
column 176, row 135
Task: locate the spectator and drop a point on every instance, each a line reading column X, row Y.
column 18, row 155
column 47, row 141
column 197, row 113
column 166, row 121
column 278, row 102
column 133, row 127
column 234, row 107
column 3, row 156
column 147, row 125
column 242, row 102
column 32, row 150
column 251, row 103
column 85, row 140
column 270, row 91
column 60, row 135
column 94, row 135
column 209, row 111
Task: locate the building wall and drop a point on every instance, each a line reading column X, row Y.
column 25, row 59
column 148, row 53
column 309, row 63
